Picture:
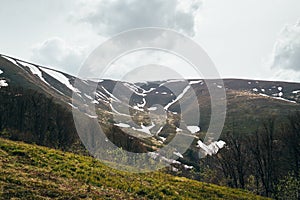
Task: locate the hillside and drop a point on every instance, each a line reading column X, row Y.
column 37, row 103
column 37, row 106
column 34, row 172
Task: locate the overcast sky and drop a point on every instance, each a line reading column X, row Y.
column 257, row 39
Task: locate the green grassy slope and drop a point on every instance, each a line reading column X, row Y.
column 34, row 172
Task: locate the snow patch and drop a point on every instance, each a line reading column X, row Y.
column 178, row 129
column 74, row 107
column 296, row 92
column 91, row 116
column 163, row 139
column 61, row 78
column 193, row 129
column 152, row 108
column 1, row 72
column 174, row 169
column 88, row 96
column 150, row 90
column 122, row 125
column 178, row 154
column 188, row 167
column 11, row 60
column 135, row 89
column 171, row 81
column 212, row 148
column 153, row 155
column 34, row 70
column 278, row 98
column 145, row 129
column 176, row 162
column 178, row 97
column 111, row 95
column 138, row 108
column 142, row 104
column 101, row 96
column 264, row 95
column 159, row 130
column 3, row 83
column 195, row 82
column 95, row 102
column 282, row 99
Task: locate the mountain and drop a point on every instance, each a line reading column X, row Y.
column 37, row 104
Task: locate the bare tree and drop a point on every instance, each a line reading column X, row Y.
column 293, row 142
column 262, row 149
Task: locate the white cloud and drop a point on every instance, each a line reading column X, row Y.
column 286, row 75
column 285, row 58
column 55, row 52
column 150, row 65
column 286, row 53
column 110, row 17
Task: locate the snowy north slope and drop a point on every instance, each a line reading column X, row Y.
column 63, row 84
column 146, row 96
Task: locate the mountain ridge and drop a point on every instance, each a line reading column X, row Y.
column 33, row 89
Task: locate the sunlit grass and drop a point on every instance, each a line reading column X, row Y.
column 34, row 172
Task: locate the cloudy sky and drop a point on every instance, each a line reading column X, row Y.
column 257, row 39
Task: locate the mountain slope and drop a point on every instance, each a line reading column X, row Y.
column 33, row 172
column 36, row 106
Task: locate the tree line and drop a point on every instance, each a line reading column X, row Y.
column 266, row 161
